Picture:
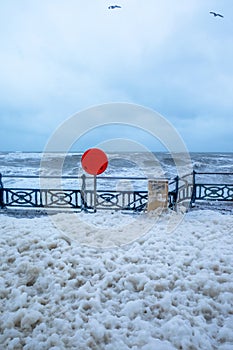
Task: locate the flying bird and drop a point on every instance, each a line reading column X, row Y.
column 114, row 7
column 216, row 14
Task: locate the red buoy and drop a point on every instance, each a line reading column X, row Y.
column 94, row 161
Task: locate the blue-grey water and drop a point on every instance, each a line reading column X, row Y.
column 120, row 165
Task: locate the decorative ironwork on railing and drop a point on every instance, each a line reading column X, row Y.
column 82, row 199
column 51, row 198
column 189, row 188
column 219, row 186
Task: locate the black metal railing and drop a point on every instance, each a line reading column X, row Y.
column 180, row 190
column 189, row 188
column 82, row 199
column 218, row 187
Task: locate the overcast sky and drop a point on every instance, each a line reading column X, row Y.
column 59, row 57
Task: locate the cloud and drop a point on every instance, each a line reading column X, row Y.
column 58, row 57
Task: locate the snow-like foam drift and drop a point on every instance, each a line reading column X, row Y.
column 164, row 291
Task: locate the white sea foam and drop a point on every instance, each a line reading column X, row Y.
column 165, row 291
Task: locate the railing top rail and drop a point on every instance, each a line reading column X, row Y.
column 70, row 189
column 38, row 177
column 215, row 184
column 213, row 173
column 189, row 174
column 79, row 177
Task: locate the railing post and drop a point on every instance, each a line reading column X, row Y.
column 1, row 192
column 193, row 197
column 176, row 191
column 173, row 195
column 95, row 192
column 83, row 193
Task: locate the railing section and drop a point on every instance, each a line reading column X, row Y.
column 82, row 199
column 212, row 186
column 188, row 188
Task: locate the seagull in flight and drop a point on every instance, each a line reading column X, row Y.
column 216, row 14
column 114, row 7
